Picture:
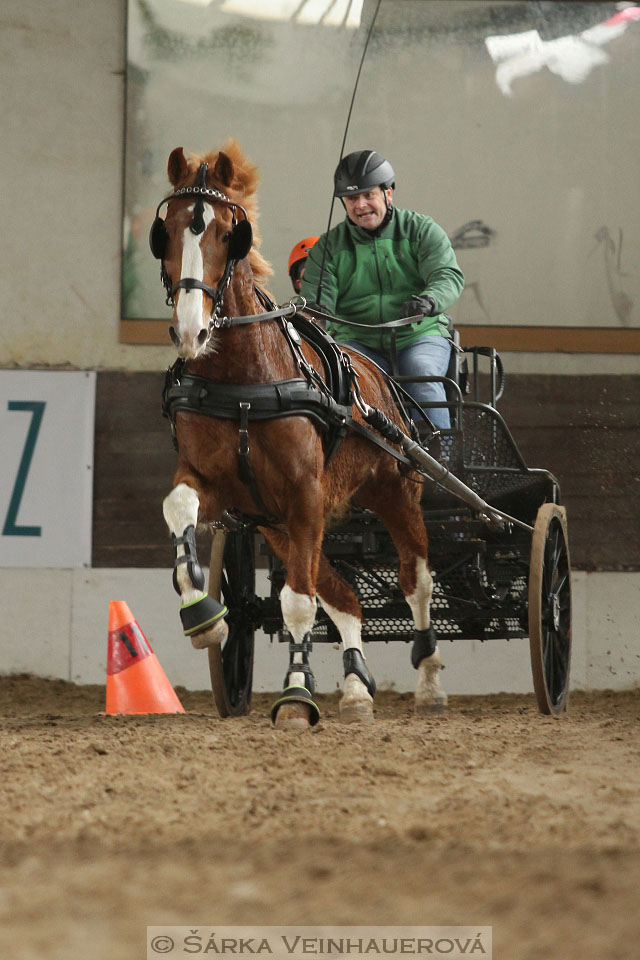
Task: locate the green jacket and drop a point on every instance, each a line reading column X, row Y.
column 367, row 278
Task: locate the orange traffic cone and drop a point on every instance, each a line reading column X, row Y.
column 136, row 683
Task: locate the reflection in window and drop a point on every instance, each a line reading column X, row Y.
column 571, row 57
column 513, row 124
column 341, row 13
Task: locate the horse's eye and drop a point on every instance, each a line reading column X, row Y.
column 226, row 237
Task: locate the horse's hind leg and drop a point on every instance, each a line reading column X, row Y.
column 201, row 615
column 416, row 583
column 400, row 512
column 298, row 612
column 343, row 607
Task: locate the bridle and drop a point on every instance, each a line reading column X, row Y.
column 240, row 239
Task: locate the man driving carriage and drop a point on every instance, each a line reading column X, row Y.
column 381, row 264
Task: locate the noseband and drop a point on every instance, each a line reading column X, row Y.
column 240, row 239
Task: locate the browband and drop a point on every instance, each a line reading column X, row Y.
column 210, row 194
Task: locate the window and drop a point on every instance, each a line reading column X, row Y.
column 513, row 124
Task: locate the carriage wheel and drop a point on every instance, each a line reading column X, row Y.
column 232, row 575
column 550, row 609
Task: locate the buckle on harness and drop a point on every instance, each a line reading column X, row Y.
column 243, row 432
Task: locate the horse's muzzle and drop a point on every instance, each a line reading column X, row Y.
column 194, row 348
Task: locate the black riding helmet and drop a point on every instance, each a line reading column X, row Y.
column 360, row 171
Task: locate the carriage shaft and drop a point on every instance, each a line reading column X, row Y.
column 433, row 469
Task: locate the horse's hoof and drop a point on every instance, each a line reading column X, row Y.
column 356, row 704
column 430, row 697
column 426, row 708
column 293, row 716
column 356, row 712
column 294, row 709
column 211, row 637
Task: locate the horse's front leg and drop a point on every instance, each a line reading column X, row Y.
column 295, row 707
column 201, row 615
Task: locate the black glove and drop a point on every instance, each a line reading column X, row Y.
column 424, row 305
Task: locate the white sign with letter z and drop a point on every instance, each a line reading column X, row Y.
column 46, row 481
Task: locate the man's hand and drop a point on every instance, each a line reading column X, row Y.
column 423, row 305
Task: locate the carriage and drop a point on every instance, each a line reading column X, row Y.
column 279, row 431
column 492, row 581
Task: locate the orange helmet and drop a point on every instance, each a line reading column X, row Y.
column 301, row 251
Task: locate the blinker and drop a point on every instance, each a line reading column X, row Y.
column 240, row 241
column 158, row 238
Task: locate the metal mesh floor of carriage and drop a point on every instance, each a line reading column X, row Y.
column 480, row 577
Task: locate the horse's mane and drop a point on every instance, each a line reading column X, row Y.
column 242, row 188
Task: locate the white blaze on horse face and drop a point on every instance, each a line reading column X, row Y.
column 420, row 600
column 190, row 305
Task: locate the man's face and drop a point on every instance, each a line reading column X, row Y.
column 368, row 209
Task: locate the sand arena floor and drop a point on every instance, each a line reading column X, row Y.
column 489, row 815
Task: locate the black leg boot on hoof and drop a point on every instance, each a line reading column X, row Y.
column 356, row 707
column 424, row 645
column 300, row 710
column 425, row 658
column 203, row 621
column 296, row 695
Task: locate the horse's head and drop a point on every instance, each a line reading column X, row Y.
column 205, row 239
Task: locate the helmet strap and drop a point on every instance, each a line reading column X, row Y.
column 387, row 217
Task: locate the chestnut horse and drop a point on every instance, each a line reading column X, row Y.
column 210, row 269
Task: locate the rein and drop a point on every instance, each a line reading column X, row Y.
column 389, row 325
column 289, row 310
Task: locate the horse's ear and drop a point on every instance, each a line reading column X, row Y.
column 223, row 170
column 177, row 167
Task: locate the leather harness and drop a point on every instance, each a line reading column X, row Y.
column 328, row 400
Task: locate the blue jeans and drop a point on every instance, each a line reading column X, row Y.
column 427, row 357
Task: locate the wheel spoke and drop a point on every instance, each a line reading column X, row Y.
column 548, row 660
column 557, row 587
column 561, row 672
column 556, row 552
